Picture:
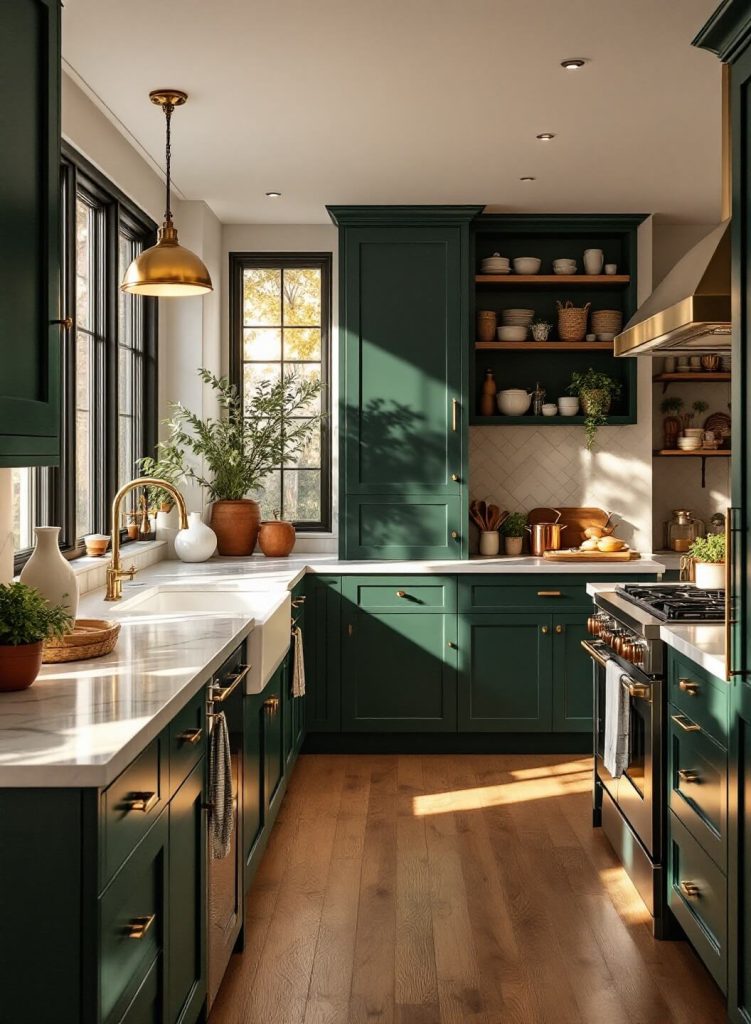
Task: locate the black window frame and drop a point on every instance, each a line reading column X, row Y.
column 323, row 261
column 55, row 487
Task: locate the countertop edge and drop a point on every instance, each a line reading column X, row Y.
column 706, row 659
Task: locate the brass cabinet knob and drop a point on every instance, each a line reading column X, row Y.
column 191, row 736
column 66, row 323
column 545, row 629
column 690, row 890
column 452, row 645
column 688, row 686
column 559, row 629
column 455, row 477
column 139, row 926
column 454, row 535
column 400, row 593
column 141, row 802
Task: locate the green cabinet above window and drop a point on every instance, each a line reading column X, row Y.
column 31, row 335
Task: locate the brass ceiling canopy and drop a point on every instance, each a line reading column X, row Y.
column 167, row 269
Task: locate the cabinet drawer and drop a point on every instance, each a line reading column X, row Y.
column 187, row 740
column 697, row 895
column 698, row 770
column 131, row 923
column 484, row 596
column 400, row 593
column 146, row 1007
column 699, row 695
column 132, row 803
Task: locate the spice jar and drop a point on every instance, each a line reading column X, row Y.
column 682, row 530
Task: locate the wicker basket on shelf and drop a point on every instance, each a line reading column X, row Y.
column 572, row 321
column 91, row 638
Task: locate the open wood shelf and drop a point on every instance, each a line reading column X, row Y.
column 718, row 376
column 564, row 280
column 703, row 453
column 546, row 346
column 475, row 420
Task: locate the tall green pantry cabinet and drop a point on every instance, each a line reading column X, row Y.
column 404, row 323
column 728, row 35
column 31, row 333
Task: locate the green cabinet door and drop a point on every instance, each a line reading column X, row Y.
column 572, row 674
column 398, row 672
column 30, row 338
column 322, row 653
column 253, row 786
column 505, row 672
column 186, row 952
column 273, row 736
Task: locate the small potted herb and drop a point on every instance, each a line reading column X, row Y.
column 596, row 392
column 512, row 529
column 708, row 554
column 697, row 408
column 26, row 620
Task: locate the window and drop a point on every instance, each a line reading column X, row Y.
column 109, row 367
column 281, row 323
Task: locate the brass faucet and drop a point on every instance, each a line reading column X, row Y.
column 115, row 573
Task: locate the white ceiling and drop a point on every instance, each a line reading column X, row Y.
column 415, row 101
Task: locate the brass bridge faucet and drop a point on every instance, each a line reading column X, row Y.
column 115, row 573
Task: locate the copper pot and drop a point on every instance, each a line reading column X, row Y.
column 276, row 538
column 19, row 665
column 546, row 536
column 235, row 524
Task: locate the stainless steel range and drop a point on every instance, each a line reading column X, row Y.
column 631, row 808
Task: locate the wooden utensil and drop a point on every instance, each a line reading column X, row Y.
column 475, row 515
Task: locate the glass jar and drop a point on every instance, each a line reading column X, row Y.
column 683, row 529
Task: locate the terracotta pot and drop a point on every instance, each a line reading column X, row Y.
column 235, row 524
column 598, row 395
column 276, row 538
column 19, row 665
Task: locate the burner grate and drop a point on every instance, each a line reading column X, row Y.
column 683, row 603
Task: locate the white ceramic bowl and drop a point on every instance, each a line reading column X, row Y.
column 527, row 265
column 507, row 333
column 693, row 432
column 689, row 444
column 550, row 409
column 568, row 405
column 513, row 402
column 607, row 336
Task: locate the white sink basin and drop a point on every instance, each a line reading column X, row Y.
column 271, row 611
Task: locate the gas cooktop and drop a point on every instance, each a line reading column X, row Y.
column 679, row 603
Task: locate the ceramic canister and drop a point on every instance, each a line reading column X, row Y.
column 197, row 543
column 50, row 572
column 593, row 261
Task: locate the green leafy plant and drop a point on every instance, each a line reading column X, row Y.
column 671, row 406
column 26, row 617
column 596, row 392
column 708, row 549
column 168, row 465
column 250, row 439
column 514, row 525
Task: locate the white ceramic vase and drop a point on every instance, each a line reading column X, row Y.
column 490, row 543
column 197, row 543
column 593, row 261
column 709, row 575
column 167, row 529
column 50, row 572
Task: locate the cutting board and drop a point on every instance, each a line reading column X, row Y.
column 577, row 519
column 591, row 556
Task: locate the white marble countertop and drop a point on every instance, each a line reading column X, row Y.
column 701, row 643
column 81, row 723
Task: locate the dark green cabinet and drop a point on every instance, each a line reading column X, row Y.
column 322, row 653
column 253, row 776
column 31, row 337
column 572, row 674
column 273, row 737
column 404, row 324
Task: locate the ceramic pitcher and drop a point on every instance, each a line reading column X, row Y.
column 593, row 261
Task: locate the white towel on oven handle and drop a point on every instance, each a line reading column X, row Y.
column 617, row 720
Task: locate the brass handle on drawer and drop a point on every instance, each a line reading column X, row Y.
column 688, row 686
column 142, row 802
column 548, row 593
column 685, row 723
column 66, row 323
column 298, row 601
column 690, row 890
column 400, row 593
column 688, row 775
column 271, row 705
column 454, row 414
column 192, row 736
column 545, row 629
column 137, row 928
column 218, row 694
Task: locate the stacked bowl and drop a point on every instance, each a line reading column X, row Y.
column 495, row 264
column 606, row 323
column 564, row 266
column 691, row 441
column 514, row 324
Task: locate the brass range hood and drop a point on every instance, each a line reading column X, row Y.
column 690, row 309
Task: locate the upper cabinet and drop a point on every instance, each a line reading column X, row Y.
column 404, row 324
column 31, row 334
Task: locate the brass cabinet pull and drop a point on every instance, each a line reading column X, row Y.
column 139, row 926
column 559, row 629
column 545, row 629
column 66, row 323
column 271, row 704
column 690, row 890
column 455, row 477
column 298, row 601
column 548, row 593
column 685, row 723
column 688, row 775
column 400, row 593
column 640, row 690
column 454, row 535
column 454, row 414
column 191, row 736
column 730, row 671
column 144, row 802
column 218, row 694
column 688, row 686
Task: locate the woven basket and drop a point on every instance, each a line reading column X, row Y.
column 91, row 638
column 572, row 321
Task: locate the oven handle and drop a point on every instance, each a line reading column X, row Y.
column 594, row 654
column 639, row 690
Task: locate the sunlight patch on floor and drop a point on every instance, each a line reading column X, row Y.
column 513, row 792
column 624, row 895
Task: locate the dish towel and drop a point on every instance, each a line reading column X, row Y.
column 221, row 818
column 617, row 724
column 298, row 668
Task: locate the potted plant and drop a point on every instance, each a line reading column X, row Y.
column 241, row 448
column 26, row 620
column 708, row 554
column 276, row 538
column 596, row 392
column 168, row 465
column 696, row 409
column 512, row 529
column 672, row 424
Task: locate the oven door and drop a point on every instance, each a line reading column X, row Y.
column 600, row 653
column 638, row 786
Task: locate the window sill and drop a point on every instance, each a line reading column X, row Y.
column 91, row 573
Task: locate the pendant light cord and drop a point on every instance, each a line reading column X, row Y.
column 168, row 108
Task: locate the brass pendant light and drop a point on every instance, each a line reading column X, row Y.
column 167, row 269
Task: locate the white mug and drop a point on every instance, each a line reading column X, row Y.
column 611, row 268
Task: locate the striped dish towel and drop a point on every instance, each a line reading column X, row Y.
column 298, row 667
column 221, row 818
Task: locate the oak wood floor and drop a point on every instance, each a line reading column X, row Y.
column 451, row 890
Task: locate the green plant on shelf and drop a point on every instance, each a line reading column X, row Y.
column 696, row 409
column 708, row 549
column 596, row 391
column 514, row 525
column 671, row 406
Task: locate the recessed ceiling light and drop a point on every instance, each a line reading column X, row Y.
column 273, row 195
column 528, row 177
column 573, row 64
column 546, row 136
